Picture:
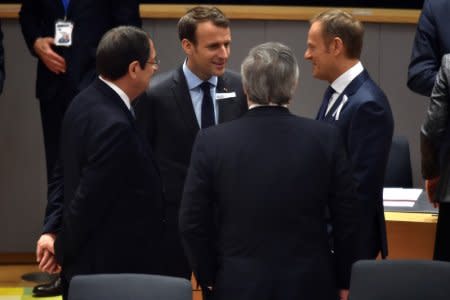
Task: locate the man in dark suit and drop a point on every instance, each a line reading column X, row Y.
column 359, row 108
column 177, row 106
column 112, row 212
column 431, row 42
column 267, row 178
column 63, row 72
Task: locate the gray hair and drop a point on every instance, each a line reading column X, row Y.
column 270, row 74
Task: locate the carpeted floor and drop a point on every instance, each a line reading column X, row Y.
column 20, row 293
column 13, row 287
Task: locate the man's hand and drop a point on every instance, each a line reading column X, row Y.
column 343, row 294
column 48, row 263
column 430, row 187
column 53, row 61
column 45, row 253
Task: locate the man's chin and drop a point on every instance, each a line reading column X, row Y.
column 219, row 71
column 317, row 75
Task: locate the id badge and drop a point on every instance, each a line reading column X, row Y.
column 63, row 33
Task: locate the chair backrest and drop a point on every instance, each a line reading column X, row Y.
column 400, row 280
column 129, row 287
column 398, row 170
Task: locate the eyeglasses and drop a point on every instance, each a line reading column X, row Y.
column 155, row 62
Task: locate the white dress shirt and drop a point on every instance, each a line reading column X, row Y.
column 342, row 82
column 119, row 92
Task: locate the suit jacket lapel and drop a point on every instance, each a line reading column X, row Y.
column 229, row 107
column 353, row 86
column 183, row 99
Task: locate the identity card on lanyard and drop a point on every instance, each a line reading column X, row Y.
column 64, row 29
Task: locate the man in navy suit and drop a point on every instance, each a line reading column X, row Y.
column 113, row 212
column 359, row 108
column 431, row 42
column 267, row 179
column 62, row 72
column 176, row 107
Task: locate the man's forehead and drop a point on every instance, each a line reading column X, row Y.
column 316, row 28
column 210, row 29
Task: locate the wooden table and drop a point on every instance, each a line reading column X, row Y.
column 410, row 235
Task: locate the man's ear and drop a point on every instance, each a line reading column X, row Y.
column 187, row 46
column 133, row 69
column 337, row 46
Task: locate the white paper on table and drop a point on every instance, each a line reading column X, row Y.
column 388, row 203
column 401, row 194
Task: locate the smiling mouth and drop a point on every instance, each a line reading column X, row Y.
column 219, row 65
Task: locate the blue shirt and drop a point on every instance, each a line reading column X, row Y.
column 193, row 83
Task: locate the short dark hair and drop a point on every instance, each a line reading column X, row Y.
column 187, row 25
column 341, row 24
column 118, row 48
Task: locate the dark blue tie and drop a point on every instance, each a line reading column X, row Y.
column 326, row 100
column 207, row 106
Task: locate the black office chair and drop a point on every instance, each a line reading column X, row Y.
column 398, row 171
column 400, row 280
column 129, row 287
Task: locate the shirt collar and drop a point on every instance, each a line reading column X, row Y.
column 255, row 105
column 342, row 81
column 118, row 90
column 193, row 81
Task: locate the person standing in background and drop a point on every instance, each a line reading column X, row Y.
column 435, row 151
column 431, row 42
column 63, row 70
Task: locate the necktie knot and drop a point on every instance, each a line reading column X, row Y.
column 328, row 93
column 205, row 86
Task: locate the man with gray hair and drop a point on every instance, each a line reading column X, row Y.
column 267, row 178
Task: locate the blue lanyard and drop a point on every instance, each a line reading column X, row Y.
column 65, row 4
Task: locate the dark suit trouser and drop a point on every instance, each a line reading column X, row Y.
column 52, row 113
column 442, row 243
column 65, row 286
column 176, row 263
